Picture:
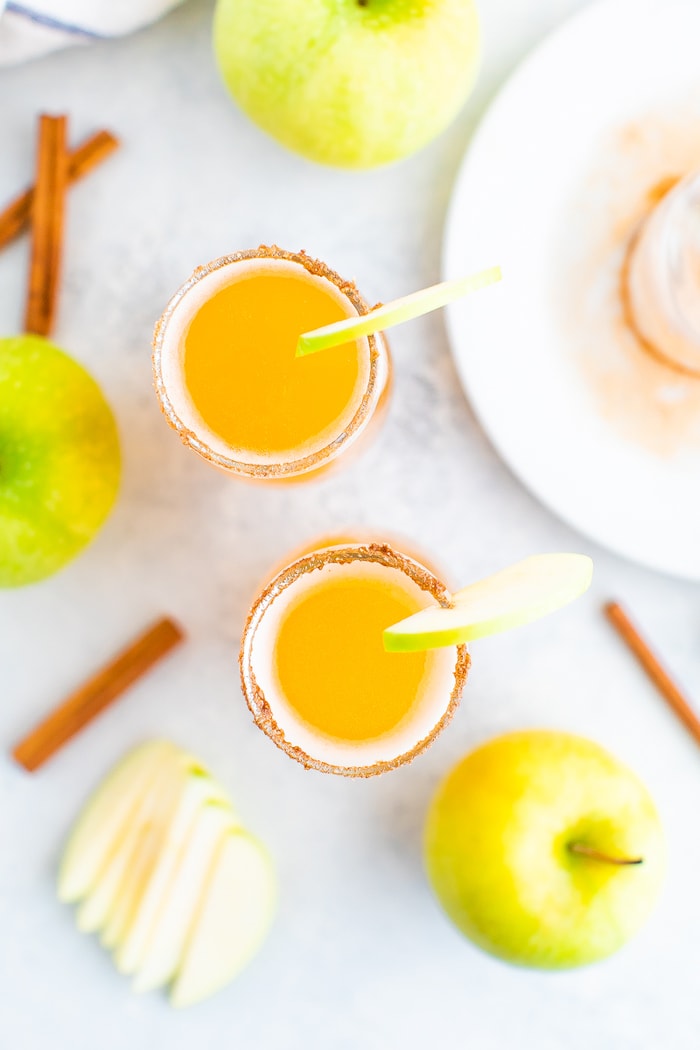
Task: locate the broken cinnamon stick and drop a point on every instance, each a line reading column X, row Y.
column 17, row 215
column 653, row 668
column 96, row 694
column 47, row 224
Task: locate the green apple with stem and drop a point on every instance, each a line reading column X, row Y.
column 350, row 83
column 544, row 849
column 59, row 459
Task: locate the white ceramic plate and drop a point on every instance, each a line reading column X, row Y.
column 557, row 175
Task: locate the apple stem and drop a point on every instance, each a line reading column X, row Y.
column 595, row 854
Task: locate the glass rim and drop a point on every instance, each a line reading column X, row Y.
column 371, row 396
column 346, row 553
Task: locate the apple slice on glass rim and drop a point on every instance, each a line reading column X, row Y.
column 387, row 315
column 524, row 592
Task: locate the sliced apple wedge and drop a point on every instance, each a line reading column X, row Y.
column 165, row 804
column 515, row 596
column 104, row 905
column 198, row 790
column 156, row 840
column 103, row 821
column 167, row 941
column 234, row 915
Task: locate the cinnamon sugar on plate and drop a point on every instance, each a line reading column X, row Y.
column 646, row 401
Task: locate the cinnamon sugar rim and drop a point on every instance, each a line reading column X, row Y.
column 254, row 695
column 378, row 353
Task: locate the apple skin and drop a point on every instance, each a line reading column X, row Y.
column 59, row 459
column 497, row 858
column 349, row 83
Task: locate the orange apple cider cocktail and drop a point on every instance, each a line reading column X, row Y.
column 228, row 377
column 315, row 672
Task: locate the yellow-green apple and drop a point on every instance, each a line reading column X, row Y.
column 352, row 83
column 59, row 459
column 544, row 849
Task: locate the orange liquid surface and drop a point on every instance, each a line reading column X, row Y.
column 331, row 664
column 242, row 374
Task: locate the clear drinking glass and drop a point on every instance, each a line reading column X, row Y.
column 314, row 671
column 259, row 393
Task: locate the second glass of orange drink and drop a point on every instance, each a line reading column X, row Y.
column 353, row 656
column 314, row 670
column 230, row 383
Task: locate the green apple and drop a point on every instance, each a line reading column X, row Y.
column 59, row 459
column 237, row 909
column 351, row 83
column 544, row 849
column 523, row 592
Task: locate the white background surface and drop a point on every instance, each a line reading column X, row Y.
column 360, row 955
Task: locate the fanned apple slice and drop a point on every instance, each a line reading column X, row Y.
column 106, row 898
column 147, row 856
column 234, row 915
column 515, row 596
column 104, row 820
column 198, row 790
column 169, row 935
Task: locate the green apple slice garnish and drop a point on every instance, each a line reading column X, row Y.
column 515, row 596
column 390, row 314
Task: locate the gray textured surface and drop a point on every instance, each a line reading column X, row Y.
column 360, row 955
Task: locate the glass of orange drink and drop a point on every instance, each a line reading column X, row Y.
column 314, row 670
column 228, row 378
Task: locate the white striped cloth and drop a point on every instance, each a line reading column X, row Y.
column 32, row 27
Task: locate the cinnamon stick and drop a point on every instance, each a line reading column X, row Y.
column 660, row 677
column 47, row 224
column 96, row 694
column 16, row 216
